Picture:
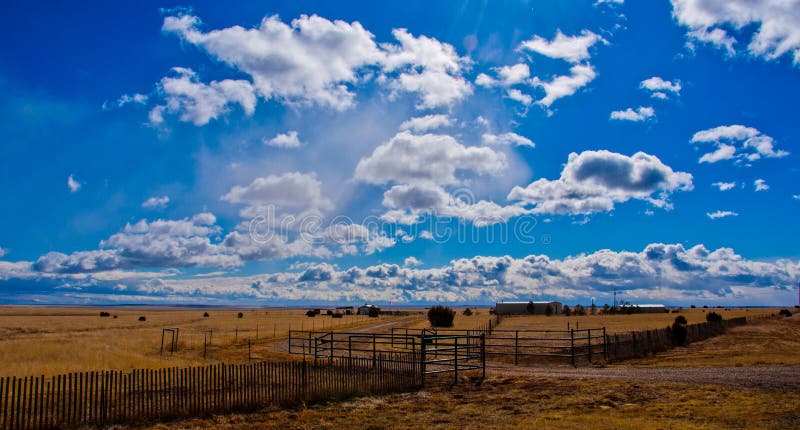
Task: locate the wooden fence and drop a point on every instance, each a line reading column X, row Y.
column 108, row 397
column 647, row 342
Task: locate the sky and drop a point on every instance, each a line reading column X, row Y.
column 460, row 152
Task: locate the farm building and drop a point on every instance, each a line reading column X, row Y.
column 650, row 309
column 347, row 310
column 521, row 308
column 364, row 310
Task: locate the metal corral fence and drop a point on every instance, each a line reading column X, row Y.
column 622, row 346
column 108, row 397
column 435, row 352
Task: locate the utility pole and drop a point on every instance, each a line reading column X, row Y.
column 615, row 298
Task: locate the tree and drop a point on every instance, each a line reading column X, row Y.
column 467, row 312
column 240, row 315
column 566, row 311
column 679, row 331
column 441, row 316
column 205, row 314
column 374, row 311
column 531, row 308
column 579, row 310
column 548, row 310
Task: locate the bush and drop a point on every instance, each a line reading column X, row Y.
column 374, row 312
column 566, row 310
column 115, row 317
column 679, row 331
column 311, row 314
column 692, row 306
column 579, row 310
column 531, row 308
column 337, row 315
column 785, row 313
column 142, row 318
column 467, row 312
column 548, row 310
column 205, row 314
column 105, row 314
column 714, row 317
column 441, row 316
column 240, row 315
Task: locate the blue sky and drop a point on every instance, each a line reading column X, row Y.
column 286, row 152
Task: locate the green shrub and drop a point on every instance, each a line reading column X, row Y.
column 467, row 312
column 785, row 313
column 714, row 317
column 374, row 312
column 441, row 316
column 566, row 310
column 311, row 314
column 142, row 318
column 337, row 315
column 531, row 308
column 105, row 314
column 679, row 331
column 205, row 314
column 548, row 310
column 240, row 315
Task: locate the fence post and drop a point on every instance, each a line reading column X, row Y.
column 483, row 354
column 516, row 347
column 422, row 360
column 350, row 355
column 205, row 336
column 455, row 360
column 248, row 349
column 605, row 345
column 572, row 345
column 374, row 362
column 304, row 382
column 589, row 340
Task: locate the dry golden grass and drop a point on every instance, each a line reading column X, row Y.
column 48, row 341
column 516, row 402
column 620, row 323
column 762, row 343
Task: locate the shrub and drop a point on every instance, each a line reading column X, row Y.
column 692, row 306
column 579, row 310
column 785, row 313
column 441, row 316
column 679, row 331
column 142, row 318
column 311, row 314
column 374, row 312
column 240, row 315
column 714, row 317
column 705, row 306
column 531, row 308
column 105, row 314
column 467, row 312
column 205, row 314
column 566, row 310
column 337, row 315
column 115, row 317
column 548, row 310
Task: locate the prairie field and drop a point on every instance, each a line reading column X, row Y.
column 53, row 340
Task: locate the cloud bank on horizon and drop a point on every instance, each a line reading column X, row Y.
column 309, row 154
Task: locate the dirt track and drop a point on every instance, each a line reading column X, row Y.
column 766, row 377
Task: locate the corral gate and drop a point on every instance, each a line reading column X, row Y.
column 451, row 354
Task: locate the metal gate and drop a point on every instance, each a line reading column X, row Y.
column 452, row 354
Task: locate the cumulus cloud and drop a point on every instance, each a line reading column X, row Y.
column 409, row 202
column 73, row 184
column 506, row 139
column 426, row 123
column 284, row 140
column 565, row 85
column 156, row 202
column 660, row 88
column 126, row 99
column 409, row 158
column 292, row 190
column 776, row 25
column 760, row 185
column 594, row 181
column 3, row 252
column 639, row 114
column 411, row 262
column 737, row 142
column 197, row 102
column 724, row 186
column 572, row 49
column 660, row 272
column 721, row 214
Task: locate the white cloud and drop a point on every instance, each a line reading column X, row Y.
column 565, row 85
column 3, row 252
column 519, row 96
column 724, row 186
column 411, row 262
column 572, row 49
column 284, row 140
column 506, row 139
column 73, row 185
column 125, row 99
column 512, row 75
column 409, row 158
column 760, row 185
column 156, row 202
column 721, row 214
column 744, row 144
column 796, row 196
column 594, row 181
column 199, row 103
column 659, row 87
column 409, row 202
column 640, row 114
column 776, row 25
column 428, row 67
column 292, row 190
column 426, row 123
